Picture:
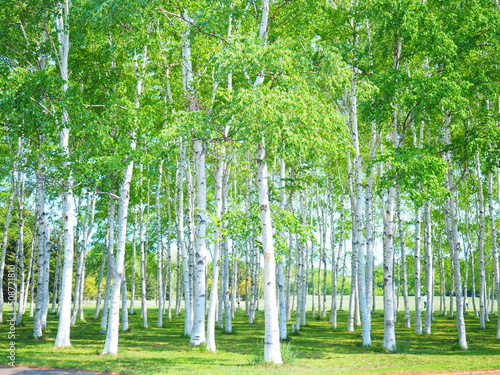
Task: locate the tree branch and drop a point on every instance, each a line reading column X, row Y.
column 187, row 20
column 109, row 194
column 18, row 54
column 273, row 16
column 44, row 107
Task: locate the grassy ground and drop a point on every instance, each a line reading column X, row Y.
column 317, row 349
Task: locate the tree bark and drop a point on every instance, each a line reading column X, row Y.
column 68, row 208
column 418, row 287
column 429, row 268
column 99, row 283
column 404, row 275
column 20, row 245
column 494, row 248
column 198, row 335
column 110, row 261
column 111, row 344
column 482, row 273
column 134, row 264
column 462, row 338
column 43, row 251
column 188, row 319
column 272, row 352
column 282, row 297
column 219, row 176
column 124, row 304
column 142, row 251
column 159, row 249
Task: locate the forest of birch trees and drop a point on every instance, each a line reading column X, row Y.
column 289, row 156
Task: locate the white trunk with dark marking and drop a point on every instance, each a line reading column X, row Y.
column 111, row 344
column 68, row 210
column 20, row 245
column 142, row 250
column 110, row 261
column 359, row 239
column 219, row 175
column 482, row 221
column 159, row 249
column 99, row 285
column 198, row 335
column 272, row 352
column 418, row 286
column 124, row 304
column 43, row 251
column 133, row 273
column 429, row 268
column 57, row 277
column 282, row 297
column 370, row 294
column 404, row 274
column 454, row 243
column 494, row 248
column 188, row 317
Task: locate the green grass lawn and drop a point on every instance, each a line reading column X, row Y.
column 317, row 349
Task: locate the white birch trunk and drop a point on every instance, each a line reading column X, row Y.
column 272, row 352
column 43, row 250
column 82, row 255
column 159, row 250
column 303, row 310
column 281, row 265
column 68, row 211
column 355, row 247
column 334, row 275
column 188, row 318
column 219, row 174
column 29, row 278
column 300, row 283
column 429, row 268
column 389, row 341
column 57, row 278
column 111, row 344
column 192, row 235
column 134, row 264
column 198, row 335
column 124, row 305
column 494, row 248
column 110, row 261
column 462, row 338
column 482, row 273
column 370, row 294
column 442, row 282
column 418, row 286
column 142, row 251
column 404, row 274
column 20, row 246
column 227, row 297
column 472, row 268
column 336, row 262
column 99, row 284
column 359, row 241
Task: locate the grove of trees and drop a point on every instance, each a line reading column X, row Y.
column 205, row 154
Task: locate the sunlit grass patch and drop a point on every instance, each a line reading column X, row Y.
column 315, row 349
